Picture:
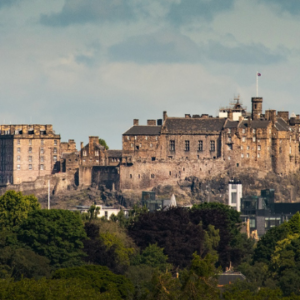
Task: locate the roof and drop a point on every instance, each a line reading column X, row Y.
column 255, row 124
column 231, row 124
column 230, row 277
column 143, row 130
column 281, row 125
column 114, row 153
column 193, row 125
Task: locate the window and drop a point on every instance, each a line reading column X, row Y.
column 229, row 130
column 228, row 157
column 55, row 158
column 18, row 149
column 55, row 142
column 146, row 138
column 153, row 158
column 156, row 138
column 247, row 155
column 242, row 155
column 152, row 175
column 172, row 145
column 106, row 214
column 30, row 149
column 18, row 142
column 84, row 153
column 258, row 147
column 41, row 167
column 130, row 176
column 151, row 145
column 258, row 155
column 254, row 139
column 241, row 147
column 18, row 158
column 97, row 153
column 30, row 142
column 170, row 173
column 131, row 145
column 252, row 223
column 229, row 147
column 212, row 146
column 30, row 167
column 42, row 142
column 135, row 137
column 42, row 158
column 18, row 167
column 128, row 138
column 187, row 145
column 229, row 139
column 30, row 158
column 42, row 150
column 243, row 139
column 243, row 130
column 54, row 150
column 258, row 140
column 253, row 130
column 248, row 147
column 200, row 145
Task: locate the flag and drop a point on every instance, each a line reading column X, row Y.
column 258, row 74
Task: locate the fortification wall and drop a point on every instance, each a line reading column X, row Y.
column 145, row 175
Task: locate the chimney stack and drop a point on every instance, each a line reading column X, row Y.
column 135, row 122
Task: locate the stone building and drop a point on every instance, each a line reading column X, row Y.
column 174, row 148
column 28, row 151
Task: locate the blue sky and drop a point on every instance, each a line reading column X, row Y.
column 89, row 67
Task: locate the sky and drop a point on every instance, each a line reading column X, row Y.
column 90, row 67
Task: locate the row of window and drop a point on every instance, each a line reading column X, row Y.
column 187, row 145
column 146, row 138
column 84, row 153
column 41, row 150
column 247, row 156
column 30, row 142
column 42, row 167
column 41, row 158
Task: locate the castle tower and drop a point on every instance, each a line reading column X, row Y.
column 256, row 107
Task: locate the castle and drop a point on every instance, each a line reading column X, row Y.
column 164, row 151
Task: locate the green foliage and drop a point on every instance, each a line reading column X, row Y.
column 22, row 263
column 102, row 142
column 123, row 253
column 154, row 257
column 56, row 234
column 99, row 278
column 211, row 241
column 14, row 208
column 60, row 289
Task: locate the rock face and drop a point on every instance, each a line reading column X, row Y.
column 190, row 190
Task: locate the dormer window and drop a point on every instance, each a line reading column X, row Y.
column 84, row 153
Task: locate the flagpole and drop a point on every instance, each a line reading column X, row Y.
column 256, row 84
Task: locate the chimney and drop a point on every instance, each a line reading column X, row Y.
column 273, row 115
column 81, row 145
column 187, row 116
column 151, row 122
column 165, row 115
column 284, row 115
column 135, row 122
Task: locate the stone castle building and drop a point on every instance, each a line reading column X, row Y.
column 164, row 151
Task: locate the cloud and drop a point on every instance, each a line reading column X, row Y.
column 165, row 47
column 186, row 11
column 7, row 2
column 243, row 54
column 290, row 6
column 85, row 11
column 169, row 47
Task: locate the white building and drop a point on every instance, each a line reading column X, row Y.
column 235, row 193
column 104, row 211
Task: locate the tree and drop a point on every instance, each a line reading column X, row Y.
column 102, row 142
column 56, row 234
column 152, row 256
column 171, row 230
column 99, row 278
column 14, row 208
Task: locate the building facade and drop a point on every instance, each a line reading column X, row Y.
column 27, row 152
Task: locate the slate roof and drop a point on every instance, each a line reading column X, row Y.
column 190, row 126
column 230, row 277
column 114, row 153
column 281, row 125
column 255, row 124
column 231, row 124
column 143, row 130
